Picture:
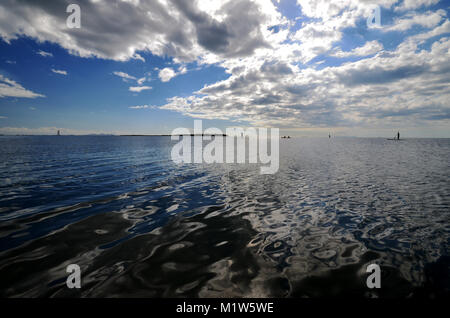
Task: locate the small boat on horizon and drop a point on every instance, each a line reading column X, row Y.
column 396, row 137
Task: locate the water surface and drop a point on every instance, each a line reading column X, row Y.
column 141, row 226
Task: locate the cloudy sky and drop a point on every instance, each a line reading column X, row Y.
column 308, row 67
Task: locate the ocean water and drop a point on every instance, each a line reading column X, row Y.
column 139, row 225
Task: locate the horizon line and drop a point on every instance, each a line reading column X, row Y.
column 195, row 135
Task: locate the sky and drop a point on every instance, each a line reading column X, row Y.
column 308, row 67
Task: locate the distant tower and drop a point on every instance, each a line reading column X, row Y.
column 59, row 133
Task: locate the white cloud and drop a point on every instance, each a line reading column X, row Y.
column 124, row 76
column 415, row 4
column 399, row 88
column 341, row 12
column 316, row 38
column 10, row 88
column 392, row 87
column 61, row 72
column 127, row 77
column 442, row 29
column 270, row 81
column 138, row 89
column 44, row 54
column 143, row 107
column 166, row 74
column 329, row 20
column 369, row 48
column 137, row 56
column 426, row 20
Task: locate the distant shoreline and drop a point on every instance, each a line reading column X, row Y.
column 106, row 135
column 192, row 135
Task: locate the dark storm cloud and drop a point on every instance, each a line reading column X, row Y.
column 276, row 68
column 116, row 29
column 237, row 35
column 212, row 35
column 267, row 99
column 380, row 75
column 429, row 112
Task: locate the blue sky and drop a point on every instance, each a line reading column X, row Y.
column 91, row 97
column 148, row 67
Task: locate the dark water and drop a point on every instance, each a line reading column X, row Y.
column 140, row 226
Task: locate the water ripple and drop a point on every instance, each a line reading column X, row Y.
column 140, row 226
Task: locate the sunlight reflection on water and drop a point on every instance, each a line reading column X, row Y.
column 139, row 225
